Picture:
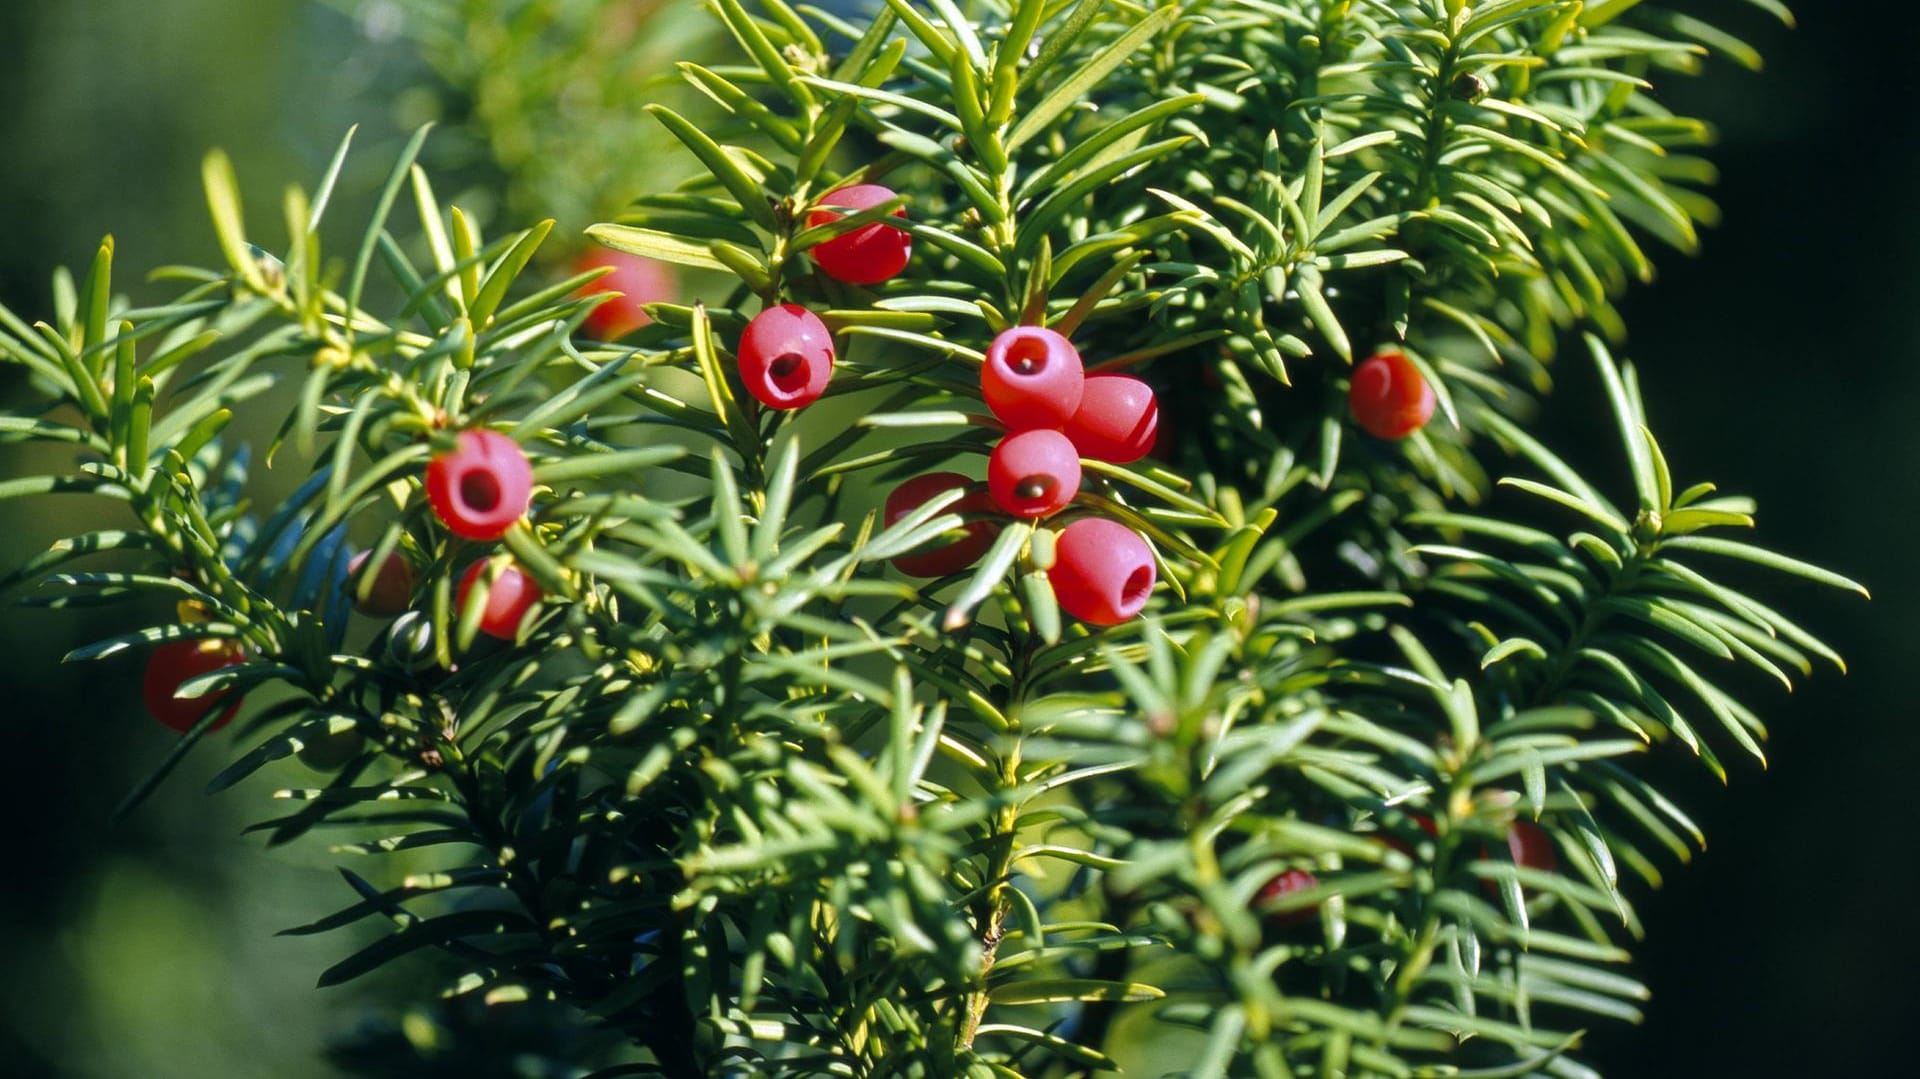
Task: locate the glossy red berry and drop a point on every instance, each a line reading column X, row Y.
column 1531, row 847
column 1118, row 419
column 868, row 255
column 941, row 560
column 786, row 356
column 509, row 596
column 1033, row 377
column 1287, row 883
column 1389, row 397
column 388, row 593
column 1102, row 571
column 481, row 486
column 1033, row 473
column 634, row 282
column 177, row 662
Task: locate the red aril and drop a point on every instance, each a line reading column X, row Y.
column 869, row 254
column 1033, row 473
column 947, row 558
column 1102, row 571
column 786, row 357
column 482, row 486
column 1032, row 378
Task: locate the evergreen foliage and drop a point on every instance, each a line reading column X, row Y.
column 745, row 796
column 547, row 93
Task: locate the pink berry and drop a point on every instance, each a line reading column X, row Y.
column 177, row 662
column 786, row 356
column 1287, row 883
column 1033, row 377
column 1389, row 398
column 511, row 594
column 1102, row 571
column 1033, row 473
column 868, row 255
column 950, row 557
column 634, row 282
column 389, row 594
column 480, row 487
column 1118, row 419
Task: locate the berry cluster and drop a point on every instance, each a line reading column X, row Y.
column 478, row 490
column 483, row 485
column 786, row 354
column 1034, row 382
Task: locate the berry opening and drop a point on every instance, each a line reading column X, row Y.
column 480, row 491
column 1027, row 356
column 1034, row 488
column 788, row 373
column 1133, row 594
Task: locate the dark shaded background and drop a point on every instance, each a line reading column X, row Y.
column 1777, row 364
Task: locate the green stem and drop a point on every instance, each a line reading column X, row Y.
column 1436, row 132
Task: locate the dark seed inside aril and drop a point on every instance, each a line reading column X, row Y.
column 789, row 372
column 480, row 491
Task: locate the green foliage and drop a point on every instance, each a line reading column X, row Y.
column 549, row 92
column 758, row 806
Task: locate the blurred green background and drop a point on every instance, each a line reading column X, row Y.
column 1777, row 364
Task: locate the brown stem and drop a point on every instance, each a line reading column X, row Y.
column 990, row 947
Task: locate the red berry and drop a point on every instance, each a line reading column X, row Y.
column 1287, row 883
column 1033, row 473
column 389, row 593
column 481, row 486
column 868, row 255
column 1118, row 419
column 786, row 356
column 1033, row 377
column 1531, row 847
column 1163, row 434
column 950, row 557
column 1102, row 571
column 634, row 282
column 509, row 597
column 176, row 662
column 1389, row 398
column 1420, row 820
